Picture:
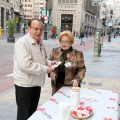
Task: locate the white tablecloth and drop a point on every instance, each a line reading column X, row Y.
column 103, row 102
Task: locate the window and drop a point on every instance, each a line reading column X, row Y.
column 59, row 1
column 75, row 1
column 16, row 4
column 7, row 14
column 71, row 1
column 41, row 7
column 66, row 22
column 41, row 3
column 67, row 1
column 63, row 1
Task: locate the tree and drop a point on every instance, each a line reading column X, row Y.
column 11, row 31
column 11, row 28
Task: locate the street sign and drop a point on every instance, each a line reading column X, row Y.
column 44, row 13
column 110, row 22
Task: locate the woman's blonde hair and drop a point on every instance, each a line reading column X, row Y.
column 68, row 34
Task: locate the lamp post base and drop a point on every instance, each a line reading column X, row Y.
column 24, row 30
column 109, row 38
column 45, row 35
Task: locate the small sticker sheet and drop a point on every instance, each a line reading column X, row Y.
column 67, row 64
column 54, row 66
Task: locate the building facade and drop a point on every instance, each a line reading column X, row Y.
column 66, row 14
column 90, row 16
column 27, row 9
column 5, row 7
column 16, row 8
column 116, row 12
column 38, row 7
column 10, row 9
column 74, row 14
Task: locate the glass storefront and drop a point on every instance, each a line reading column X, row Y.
column 66, row 22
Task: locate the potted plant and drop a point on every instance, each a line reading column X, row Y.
column 54, row 30
column 11, row 31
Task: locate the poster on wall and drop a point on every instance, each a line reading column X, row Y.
column 96, row 2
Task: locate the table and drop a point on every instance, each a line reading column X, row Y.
column 103, row 102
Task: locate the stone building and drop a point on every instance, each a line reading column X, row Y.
column 10, row 9
column 4, row 10
column 73, row 14
column 38, row 6
column 27, row 9
column 91, row 13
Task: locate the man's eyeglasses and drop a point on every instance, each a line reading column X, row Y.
column 36, row 28
column 65, row 42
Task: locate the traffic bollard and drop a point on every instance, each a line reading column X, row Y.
column 0, row 31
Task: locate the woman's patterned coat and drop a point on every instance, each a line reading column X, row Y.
column 75, row 71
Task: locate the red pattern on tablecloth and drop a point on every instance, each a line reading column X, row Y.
column 112, row 99
column 110, row 107
column 114, row 92
column 60, row 92
column 52, row 99
column 107, row 119
column 82, row 103
column 41, row 109
column 90, row 88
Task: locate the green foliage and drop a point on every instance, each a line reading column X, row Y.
column 11, row 28
column 54, row 27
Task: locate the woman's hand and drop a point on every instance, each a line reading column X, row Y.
column 54, row 62
column 75, row 83
column 52, row 75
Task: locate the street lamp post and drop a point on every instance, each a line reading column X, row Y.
column 23, row 20
column 110, row 26
column 24, row 24
column 45, row 30
column 109, row 34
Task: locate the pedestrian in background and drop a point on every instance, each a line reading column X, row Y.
column 23, row 30
column 81, row 38
column 74, row 33
column 72, row 68
column 30, row 68
column 86, row 34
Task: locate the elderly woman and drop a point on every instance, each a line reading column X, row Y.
column 72, row 68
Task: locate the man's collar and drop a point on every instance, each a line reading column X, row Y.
column 32, row 40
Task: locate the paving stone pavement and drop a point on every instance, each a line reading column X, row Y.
column 102, row 73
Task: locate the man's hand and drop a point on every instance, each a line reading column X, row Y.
column 50, row 69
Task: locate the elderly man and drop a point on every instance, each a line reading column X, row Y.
column 30, row 68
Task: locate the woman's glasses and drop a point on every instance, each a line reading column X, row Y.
column 65, row 42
